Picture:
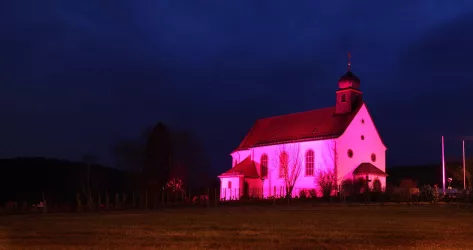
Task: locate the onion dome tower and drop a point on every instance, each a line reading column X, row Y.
column 349, row 96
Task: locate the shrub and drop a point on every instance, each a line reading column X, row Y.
column 377, row 186
column 358, row 186
column 303, row 194
column 312, row 193
column 347, row 187
column 307, row 193
column 326, row 180
column 427, row 193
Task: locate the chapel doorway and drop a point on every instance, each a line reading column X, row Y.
column 246, row 189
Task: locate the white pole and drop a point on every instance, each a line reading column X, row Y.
column 443, row 165
column 464, row 165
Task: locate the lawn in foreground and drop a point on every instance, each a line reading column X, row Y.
column 281, row 227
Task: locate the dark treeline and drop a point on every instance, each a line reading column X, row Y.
column 431, row 174
column 424, row 174
column 144, row 165
column 27, row 179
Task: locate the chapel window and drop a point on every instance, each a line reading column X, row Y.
column 309, row 163
column 350, row 153
column 283, row 164
column 264, row 166
column 373, row 157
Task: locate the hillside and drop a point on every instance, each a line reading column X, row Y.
column 28, row 178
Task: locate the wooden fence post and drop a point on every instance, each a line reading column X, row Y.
column 79, row 202
column 216, row 198
column 274, row 195
column 133, row 197
column 45, row 206
column 99, row 201
column 208, row 197
column 162, row 196
column 146, row 199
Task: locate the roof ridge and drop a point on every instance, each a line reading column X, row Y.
column 248, row 134
column 316, row 124
column 247, row 168
column 296, row 113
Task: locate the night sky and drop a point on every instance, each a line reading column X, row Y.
column 75, row 76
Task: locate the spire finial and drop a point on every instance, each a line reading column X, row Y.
column 349, row 61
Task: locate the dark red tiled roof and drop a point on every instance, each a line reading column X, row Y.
column 368, row 168
column 247, row 167
column 310, row 125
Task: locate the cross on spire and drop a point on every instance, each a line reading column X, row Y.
column 349, row 61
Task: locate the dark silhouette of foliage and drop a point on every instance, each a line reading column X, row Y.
column 60, row 180
column 157, row 162
column 377, row 185
column 190, row 163
column 326, row 181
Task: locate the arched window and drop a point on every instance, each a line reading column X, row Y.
column 283, row 164
column 264, row 166
column 344, row 98
column 309, row 163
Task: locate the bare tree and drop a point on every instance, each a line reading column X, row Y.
column 289, row 165
column 326, row 175
column 326, row 180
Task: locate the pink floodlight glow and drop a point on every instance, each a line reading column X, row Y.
column 285, row 155
column 328, row 155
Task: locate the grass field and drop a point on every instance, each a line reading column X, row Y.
column 269, row 228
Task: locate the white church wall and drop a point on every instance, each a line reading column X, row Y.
column 238, row 156
column 274, row 185
column 363, row 139
column 231, row 188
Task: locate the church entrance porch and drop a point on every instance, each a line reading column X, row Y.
column 240, row 181
column 375, row 177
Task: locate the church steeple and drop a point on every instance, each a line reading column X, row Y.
column 348, row 94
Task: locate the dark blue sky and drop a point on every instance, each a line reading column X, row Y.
column 77, row 75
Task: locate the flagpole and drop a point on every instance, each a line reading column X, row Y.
column 464, row 165
column 443, row 165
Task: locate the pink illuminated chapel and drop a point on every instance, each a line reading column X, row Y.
column 291, row 154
